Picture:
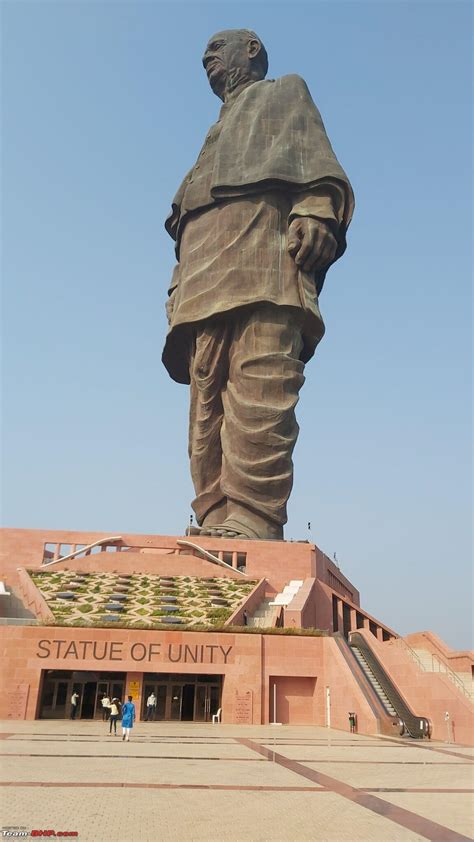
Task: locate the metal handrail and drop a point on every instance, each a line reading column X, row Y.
column 84, row 549
column 210, row 556
column 450, row 673
column 446, row 670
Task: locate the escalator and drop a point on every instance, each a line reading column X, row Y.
column 414, row 726
column 375, row 684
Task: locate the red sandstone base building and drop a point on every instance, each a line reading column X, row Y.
column 242, row 632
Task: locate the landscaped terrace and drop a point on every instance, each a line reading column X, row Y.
column 100, row 599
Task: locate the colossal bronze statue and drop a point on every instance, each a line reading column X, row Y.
column 257, row 221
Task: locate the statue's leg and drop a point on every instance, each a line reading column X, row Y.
column 208, row 372
column 259, row 429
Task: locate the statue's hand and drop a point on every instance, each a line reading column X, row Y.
column 311, row 243
column 170, row 306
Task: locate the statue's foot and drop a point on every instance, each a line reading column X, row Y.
column 216, row 515
column 256, row 529
column 241, row 522
column 251, row 523
column 230, row 529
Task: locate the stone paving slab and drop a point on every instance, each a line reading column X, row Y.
column 366, row 753
column 437, row 776
column 243, row 784
column 101, row 747
column 467, row 750
column 202, row 816
column 134, row 770
column 453, row 809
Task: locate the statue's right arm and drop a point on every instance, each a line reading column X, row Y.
column 172, row 293
column 172, row 225
column 172, row 220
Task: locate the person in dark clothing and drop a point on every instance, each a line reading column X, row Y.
column 114, row 715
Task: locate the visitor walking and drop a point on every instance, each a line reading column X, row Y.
column 150, row 707
column 74, row 704
column 128, row 718
column 114, row 715
column 105, row 708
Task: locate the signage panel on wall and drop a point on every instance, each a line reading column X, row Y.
column 243, row 708
column 17, row 699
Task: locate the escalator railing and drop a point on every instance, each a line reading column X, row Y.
column 386, row 724
column 416, row 726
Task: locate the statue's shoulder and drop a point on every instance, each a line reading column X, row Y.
column 292, row 80
column 290, row 86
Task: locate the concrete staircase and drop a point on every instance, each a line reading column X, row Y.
column 432, row 663
column 289, row 591
column 263, row 616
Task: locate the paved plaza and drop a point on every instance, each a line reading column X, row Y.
column 224, row 782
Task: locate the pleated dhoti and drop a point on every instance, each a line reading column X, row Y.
column 245, row 375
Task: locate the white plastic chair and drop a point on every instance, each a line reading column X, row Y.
column 216, row 717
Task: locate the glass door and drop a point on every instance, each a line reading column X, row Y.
column 54, row 699
column 206, row 703
column 111, row 689
column 102, row 691
column 200, row 703
column 87, row 701
column 161, row 693
column 176, row 701
column 214, row 699
column 60, row 702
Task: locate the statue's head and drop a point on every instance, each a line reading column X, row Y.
column 232, row 58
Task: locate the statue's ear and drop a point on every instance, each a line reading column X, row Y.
column 253, row 48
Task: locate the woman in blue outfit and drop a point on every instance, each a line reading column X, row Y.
column 128, row 718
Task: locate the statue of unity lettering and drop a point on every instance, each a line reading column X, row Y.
column 257, row 222
column 118, row 650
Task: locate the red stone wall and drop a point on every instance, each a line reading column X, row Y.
column 247, row 661
column 286, row 660
column 295, row 700
column 273, row 560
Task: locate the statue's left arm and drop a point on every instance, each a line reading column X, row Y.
column 313, row 227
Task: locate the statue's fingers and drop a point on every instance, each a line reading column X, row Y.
column 326, row 254
column 293, row 245
column 303, row 253
column 329, row 250
column 310, row 263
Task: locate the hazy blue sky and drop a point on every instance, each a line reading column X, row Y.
column 105, row 107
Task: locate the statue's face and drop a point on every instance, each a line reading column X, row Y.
column 226, row 55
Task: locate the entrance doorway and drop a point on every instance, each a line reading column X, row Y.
column 183, row 698
column 207, row 702
column 58, row 687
